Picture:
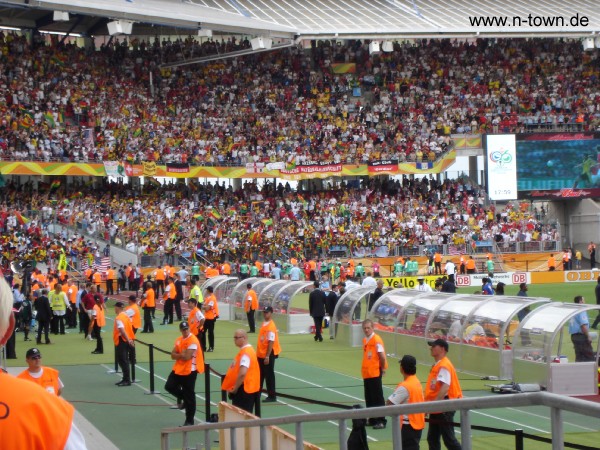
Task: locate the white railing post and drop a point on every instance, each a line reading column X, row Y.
column 343, row 441
column 396, row 433
column 299, row 437
column 557, row 428
column 465, row 429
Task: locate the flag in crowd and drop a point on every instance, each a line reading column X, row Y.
column 101, row 264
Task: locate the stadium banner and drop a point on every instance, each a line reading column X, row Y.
column 408, row 282
column 467, row 141
column 343, row 67
column 178, row 168
column 547, row 277
column 501, row 164
column 255, row 167
column 114, row 169
column 555, row 194
column 137, row 170
column 508, row 278
column 383, row 167
column 149, row 168
column 305, row 172
column 580, row 276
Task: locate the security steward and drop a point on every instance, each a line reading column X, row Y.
column 267, row 351
column 242, row 380
column 124, row 340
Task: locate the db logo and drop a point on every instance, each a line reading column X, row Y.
column 519, row 277
column 463, row 280
column 580, row 276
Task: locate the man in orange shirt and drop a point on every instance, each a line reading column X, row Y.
column 97, row 280
column 97, row 321
column 551, row 263
column 374, row 365
column 267, row 350
column 111, row 277
column 46, row 377
column 148, row 305
column 169, row 301
column 242, row 380
column 251, row 305
column 211, row 313
column 123, row 339
column 189, row 361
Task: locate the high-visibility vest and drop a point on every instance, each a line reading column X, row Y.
column 136, row 319
column 251, row 301
column 57, row 302
column 36, row 420
column 196, row 293
column 211, row 307
column 159, row 274
column 263, row 340
column 128, row 328
column 252, row 378
column 193, row 321
column 48, row 380
column 415, row 395
column 182, row 367
column 370, row 363
column 72, row 294
column 433, row 387
column 97, row 278
column 100, row 316
column 150, row 300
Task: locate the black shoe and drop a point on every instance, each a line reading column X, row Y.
column 27, row 339
column 379, row 426
column 143, row 331
column 96, row 352
column 39, row 342
column 210, row 350
column 187, row 424
column 48, row 342
column 123, row 383
column 316, row 338
column 320, row 338
column 270, row 400
column 180, row 403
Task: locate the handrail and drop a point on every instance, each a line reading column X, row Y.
column 557, row 403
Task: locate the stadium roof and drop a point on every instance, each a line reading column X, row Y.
column 314, row 19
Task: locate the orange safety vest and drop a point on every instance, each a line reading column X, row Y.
column 136, row 320
column 128, row 328
column 48, row 380
column 551, row 262
column 65, row 289
column 150, row 300
column 159, row 274
column 111, row 274
column 31, row 417
column 263, row 339
column 100, row 316
column 211, row 310
column 252, row 378
column 251, row 301
column 415, row 395
column 470, row 264
column 193, row 322
column 182, row 367
column 97, row 278
column 73, row 295
column 88, row 273
column 433, row 387
column 370, row 362
column 172, row 292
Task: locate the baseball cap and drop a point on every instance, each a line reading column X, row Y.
column 33, row 352
column 184, row 326
column 439, row 342
column 268, row 309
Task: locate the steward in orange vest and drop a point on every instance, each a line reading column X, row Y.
column 124, row 339
column 374, row 365
column 189, row 362
column 211, row 313
column 242, row 380
column 267, row 350
column 148, row 305
column 98, row 320
column 442, row 383
column 46, row 377
column 409, row 391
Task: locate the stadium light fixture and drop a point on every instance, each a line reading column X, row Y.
column 374, row 48
column 117, row 27
column 61, row 16
column 588, row 43
column 387, row 46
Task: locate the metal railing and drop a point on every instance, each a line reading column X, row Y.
column 556, row 403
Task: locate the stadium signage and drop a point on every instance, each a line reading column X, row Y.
column 384, row 166
column 566, row 193
column 178, row 167
column 407, row 282
column 323, row 170
column 578, row 276
column 508, row 278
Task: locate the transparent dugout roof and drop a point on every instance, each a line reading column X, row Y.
column 224, row 287
column 346, row 310
column 284, row 298
column 447, row 322
column 386, row 312
column 212, row 282
column 239, row 291
column 268, row 293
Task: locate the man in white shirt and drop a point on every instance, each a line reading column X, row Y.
column 450, row 268
column 369, row 281
column 423, row 287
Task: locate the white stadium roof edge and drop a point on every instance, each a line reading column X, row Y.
column 316, row 19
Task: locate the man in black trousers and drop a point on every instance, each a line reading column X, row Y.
column 316, row 307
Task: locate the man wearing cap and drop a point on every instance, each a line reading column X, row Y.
column 267, row 350
column 195, row 318
column 96, row 324
column 124, row 339
column 211, row 313
column 148, row 305
column 189, row 362
column 442, row 384
column 242, row 380
column 409, row 391
column 422, row 287
column 46, row 377
column 251, row 305
column 374, row 365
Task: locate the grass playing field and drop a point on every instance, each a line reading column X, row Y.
column 326, row 371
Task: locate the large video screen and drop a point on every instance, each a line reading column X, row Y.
column 558, row 161
column 501, row 166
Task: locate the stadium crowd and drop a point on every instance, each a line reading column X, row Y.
column 219, row 223
column 61, row 102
